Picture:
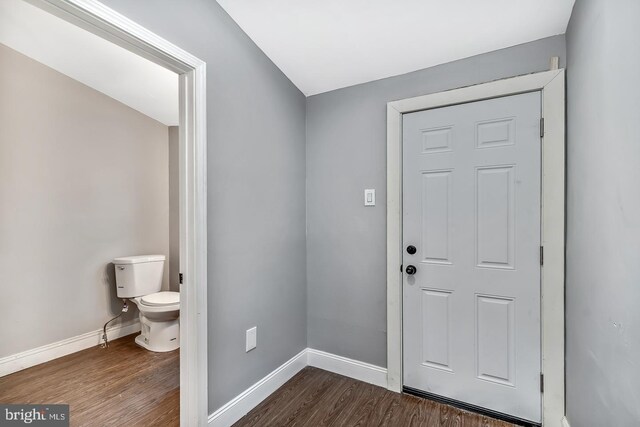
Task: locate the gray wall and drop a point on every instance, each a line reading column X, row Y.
column 174, row 209
column 83, row 179
column 256, row 193
column 346, row 153
column 603, row 214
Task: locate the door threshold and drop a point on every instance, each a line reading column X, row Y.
column 469, row 407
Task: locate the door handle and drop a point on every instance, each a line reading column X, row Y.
column 411, row 249
column 411, row 270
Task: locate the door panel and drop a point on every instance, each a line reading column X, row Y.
column 471, row 206
column 495, row 343
column 435, row 339
column 435, row 219
column 494, row 215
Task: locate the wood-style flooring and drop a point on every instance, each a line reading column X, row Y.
column 122, row 385
column 317, row 398
column 125, row 385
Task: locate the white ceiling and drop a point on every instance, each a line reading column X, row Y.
column 323, row 45
column 89, row 59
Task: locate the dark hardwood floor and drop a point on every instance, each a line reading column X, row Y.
column 123, row 385
column 319, row 398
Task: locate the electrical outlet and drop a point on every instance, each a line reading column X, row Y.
column 252, row 338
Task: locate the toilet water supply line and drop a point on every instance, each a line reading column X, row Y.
column 105, row 340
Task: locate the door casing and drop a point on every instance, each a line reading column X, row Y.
column 552, row 86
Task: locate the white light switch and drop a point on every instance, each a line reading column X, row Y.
column 252, row 337
column 370, row 197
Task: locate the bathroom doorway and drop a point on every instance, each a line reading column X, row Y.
column 185, row 173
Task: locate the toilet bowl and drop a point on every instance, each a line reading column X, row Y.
column 159, row 321
column 139, row 279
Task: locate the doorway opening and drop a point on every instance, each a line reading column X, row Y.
column 189, row 192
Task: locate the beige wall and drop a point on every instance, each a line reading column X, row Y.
column 83, row 179
column 174, row 209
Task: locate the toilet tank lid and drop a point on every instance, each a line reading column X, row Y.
column 138, row 259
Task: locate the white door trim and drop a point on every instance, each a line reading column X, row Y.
column 552, row 86
column 107, row 23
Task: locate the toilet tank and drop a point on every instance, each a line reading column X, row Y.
column 138, row 275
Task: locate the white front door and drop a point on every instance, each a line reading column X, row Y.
column 471, row 287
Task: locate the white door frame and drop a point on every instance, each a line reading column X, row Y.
column 552, row 86
column 107, row 23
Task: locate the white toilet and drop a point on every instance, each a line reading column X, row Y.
column 139, row 278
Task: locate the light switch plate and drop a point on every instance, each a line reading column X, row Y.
column 370, row 197
column 252, row 338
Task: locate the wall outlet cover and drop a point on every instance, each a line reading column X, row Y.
column 252, row 338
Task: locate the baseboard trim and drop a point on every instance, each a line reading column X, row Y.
column 26, row 359
column 242, row 404
column 565, row 422
column 362, row 371
column 239, row 406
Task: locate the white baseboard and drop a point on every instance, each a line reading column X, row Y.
column 239, row 406
column 36, row 356
column 565, row 422
column 362, row 371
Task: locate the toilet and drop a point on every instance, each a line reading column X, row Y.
column 139, row 279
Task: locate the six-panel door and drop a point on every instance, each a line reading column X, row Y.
column 471, row 207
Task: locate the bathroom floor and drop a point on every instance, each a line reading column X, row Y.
column 121, row 385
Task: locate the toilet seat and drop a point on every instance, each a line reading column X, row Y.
column 159, row 302
column 161, row 299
